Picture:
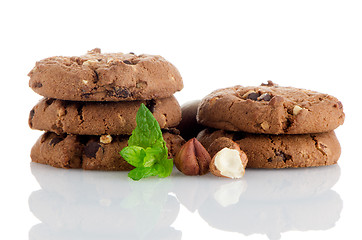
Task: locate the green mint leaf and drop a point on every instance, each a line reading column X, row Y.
column 134, row 155
column 147, row 149
column 164, row 167
column 148, row 131
column 141, row 172
column 152, row 154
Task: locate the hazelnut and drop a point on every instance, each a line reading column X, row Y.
column 265, row 125
column 111, row 60
column 105, row 139
column 90, row 62
column 296, row 110
column 228, row 159
column 264, row 97
column 192, row 159
column 188, row 126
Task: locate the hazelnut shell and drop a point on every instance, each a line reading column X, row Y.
column 193, row 158
column 220, row 144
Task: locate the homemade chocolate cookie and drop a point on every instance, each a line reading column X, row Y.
column 100, row 76
column 90, row 152
column 281, row 151
column 270, row 109
column 97, row 118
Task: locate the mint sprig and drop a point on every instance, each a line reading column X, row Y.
column 146, row 149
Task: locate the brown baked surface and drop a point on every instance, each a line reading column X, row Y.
column 270, row 109
column 281, row 151
column 100, row 76
column 97, row 118
column 88, row 152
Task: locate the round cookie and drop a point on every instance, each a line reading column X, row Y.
column 281, row 151
column 270, row 109
column 100, row 76
column 97, row 118
column 90, row 152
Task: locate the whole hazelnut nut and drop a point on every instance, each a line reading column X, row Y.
column 228, row 160
column 193, row 158
column 189, row 127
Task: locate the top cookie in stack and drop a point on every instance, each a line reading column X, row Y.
column 105, row 77
column 91, row 102
column 277, row 127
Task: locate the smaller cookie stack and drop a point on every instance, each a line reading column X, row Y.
column 90, row 106
column 277, row 127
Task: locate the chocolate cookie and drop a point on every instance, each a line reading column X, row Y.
column 105, row 77
column 270, row 109
column 281, row 151
column 90, row 152
column 97, row 118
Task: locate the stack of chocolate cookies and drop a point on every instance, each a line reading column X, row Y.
column 277, row 127
column 90, row 107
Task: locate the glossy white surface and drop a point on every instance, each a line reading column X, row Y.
column 90, row 204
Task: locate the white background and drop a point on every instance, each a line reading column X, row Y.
column 309, row 44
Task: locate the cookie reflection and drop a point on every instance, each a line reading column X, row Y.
column 266, row 201
column 76, row 204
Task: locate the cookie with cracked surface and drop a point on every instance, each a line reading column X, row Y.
column 97, row 118
column 281, row 151
column 90, row 152
column 100, row 76
column 270, row 109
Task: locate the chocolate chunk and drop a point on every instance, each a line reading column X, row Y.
column 131, row 61
column 119, row 92
column 55, row 141
column 91, row 149
column 338, row 105
column 37, row 85
column 131, row 53
column 253, row 96
column 264, row 97
column 270, row 159
column 282, row 155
